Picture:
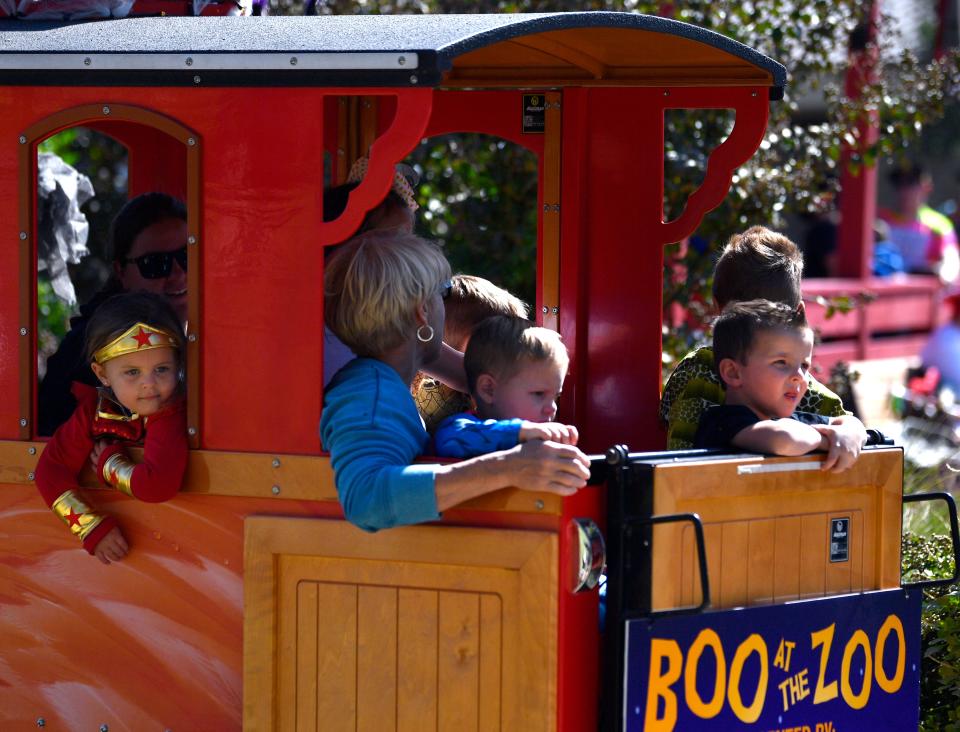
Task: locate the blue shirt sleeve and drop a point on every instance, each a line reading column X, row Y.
column 373, row 431
column 464, row 435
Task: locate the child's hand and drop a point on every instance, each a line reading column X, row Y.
column 112, row 547
column 98, row 447
column 843, row 442
column 565, row 434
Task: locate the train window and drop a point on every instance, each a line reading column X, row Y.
column 478, row 195
column 690, row 136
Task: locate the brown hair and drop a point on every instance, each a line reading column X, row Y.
column 739, row 323
column 500, row 344
column 471, row 300
column 758, row 264
column 116, row 314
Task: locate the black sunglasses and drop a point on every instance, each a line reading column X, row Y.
column 155, row 265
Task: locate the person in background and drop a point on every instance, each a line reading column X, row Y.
column 515, row 371
column 942, row 351
column 756, row 264
column 134, row 348
column 383, row 297
column 924, row 238
column 763, row 352
column 149, row 252
column 472, row 299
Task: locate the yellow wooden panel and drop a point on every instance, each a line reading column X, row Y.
column 336, row 657
column 491, row 662
column 306, row 704
column 288, row 586
column 813, row 555
column 376, row 658
column 416, row 660
column 732, row 591
column 760, row 561
column 458, row 660
column 786, row 558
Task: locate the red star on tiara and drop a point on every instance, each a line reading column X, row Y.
column 142, row 338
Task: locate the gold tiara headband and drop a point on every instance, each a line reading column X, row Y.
column 138, row 337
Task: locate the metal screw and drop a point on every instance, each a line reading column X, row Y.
column 538, row 504
column 753, row 93
column 23, row 331
column 106, row 110
column 275, row 490
column 191, row 239
column 413, row 78
column 402, row 61
column 104, row 728
column 189, row 61
column 191, row 141
column 192, row 337
column 666, row 93
column 23, row 236
column 41, row 722
column 546, row 208
column 276, row 462
column 196, row 79
column 545, row 311
column 293, row 60
column 32, row 450
column 23, row 140
column 191, row 430
column 30, row 476
column 87, row 61
column 23, row 421
column 555, row 310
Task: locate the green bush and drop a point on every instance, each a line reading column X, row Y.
column 927, row 557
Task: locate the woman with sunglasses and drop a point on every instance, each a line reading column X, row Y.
column 383, row 297
column 149, row 248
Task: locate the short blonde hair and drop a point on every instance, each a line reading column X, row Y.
column 472, row 299
column 373, row 285
column 500, row 345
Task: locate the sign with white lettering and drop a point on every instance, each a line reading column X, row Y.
column 836, row 664
column 839, row 539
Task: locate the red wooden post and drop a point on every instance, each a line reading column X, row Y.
column 858, row 204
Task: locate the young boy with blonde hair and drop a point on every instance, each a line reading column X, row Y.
column 755, row 264
column 515, row 371
column 763, row 351
column 471, row 300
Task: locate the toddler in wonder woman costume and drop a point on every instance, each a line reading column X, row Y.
column 135, row 346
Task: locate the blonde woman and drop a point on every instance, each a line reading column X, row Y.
column 383, row 297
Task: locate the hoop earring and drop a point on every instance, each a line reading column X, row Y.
column 420, row 336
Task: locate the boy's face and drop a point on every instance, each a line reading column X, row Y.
column 774, row 377
column 531, row 393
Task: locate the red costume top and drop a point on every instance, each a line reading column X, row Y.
column 157, row 478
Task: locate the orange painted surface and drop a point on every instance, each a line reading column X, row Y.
column 152, row 642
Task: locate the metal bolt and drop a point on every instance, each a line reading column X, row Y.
column 666, row 93
column 293, row 60
column 413, row 78
column 189, row 61
column 23, row 236
column 555, row 310
column 23, row 421
column 275, row 490
column 191, row 141
column 545, row 310
column 87, row 61
column 276, row 462
column 106, row 110
column 32, row 450
column 753, row 93
column 191, row 239
column 30, row 476
column 196, row 79
column 191, row 430
column 23, row 140
column 41, row 722
column 192, row 337
column 104, row 728
column 546, row 208
column 402, row 61
column 538, row 504
column 23, row 331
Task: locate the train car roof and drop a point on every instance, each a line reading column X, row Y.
column 535, row 49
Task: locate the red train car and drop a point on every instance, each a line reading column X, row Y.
column 247, row 601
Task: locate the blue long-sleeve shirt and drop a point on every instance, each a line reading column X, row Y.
column 465, row 435
column 373, row 431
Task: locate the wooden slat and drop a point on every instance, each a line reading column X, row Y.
column 287, row 590
column 458, row 661
column 376, row 659
column 760, row 561
column 786, row 558
column 813, row 555
column 732, row 591
column 491, row 662
column 417, row 681
column 306, row 704
column 713, row 541
column 337, row 657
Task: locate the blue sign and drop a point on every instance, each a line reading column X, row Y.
column 837, row 664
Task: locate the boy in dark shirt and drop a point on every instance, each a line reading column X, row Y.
column 763, row 351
